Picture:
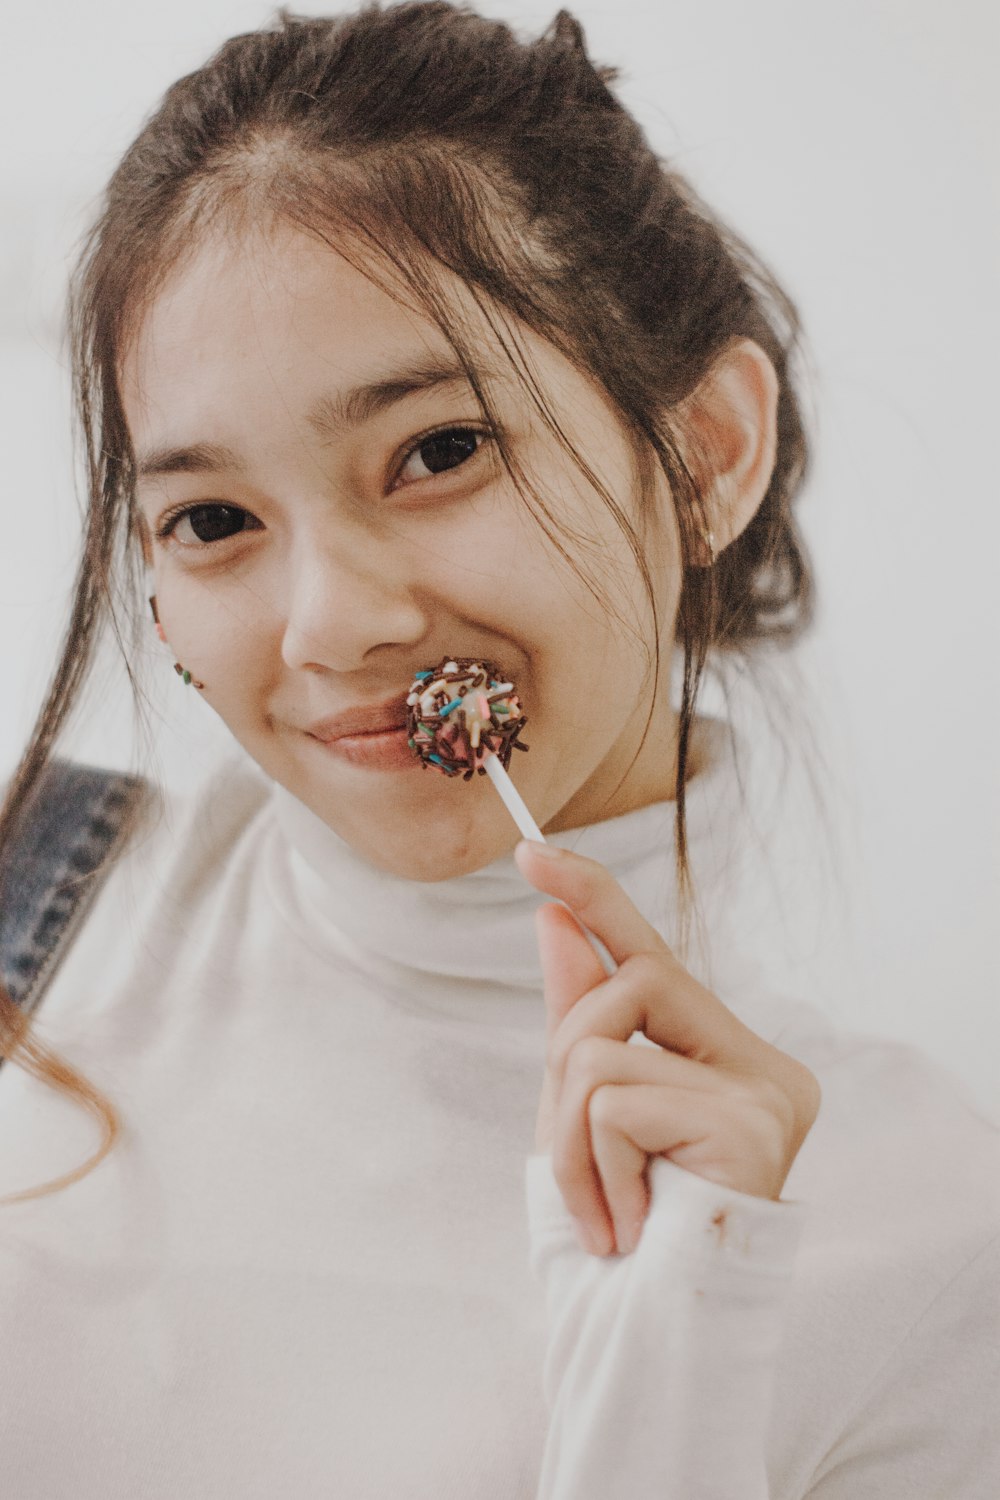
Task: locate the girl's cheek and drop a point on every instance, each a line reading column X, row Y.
column 205, row 636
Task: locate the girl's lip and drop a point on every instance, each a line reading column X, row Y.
column 353, row 723
column 382, row 750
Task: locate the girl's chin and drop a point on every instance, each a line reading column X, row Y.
column 435, row 846
column 408, row 820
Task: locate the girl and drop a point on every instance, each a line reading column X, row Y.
column 395, row 341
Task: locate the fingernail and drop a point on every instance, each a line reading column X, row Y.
column 546, row 851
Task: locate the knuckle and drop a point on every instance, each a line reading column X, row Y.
column 600, row 1106
column 776, row 1136
column 767, row 1132
column 645, row 969
column 746, row 1090
column 778, row 1133
column 775, row 1099
column 586, row 1060
column 802, row 1094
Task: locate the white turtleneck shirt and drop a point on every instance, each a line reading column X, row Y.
column 324, row 1260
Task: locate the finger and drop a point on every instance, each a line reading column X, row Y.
column 677, row 1011
column 622, row 1167
column 592, row 893
column 640, row 998
column 596, row 1063
column 628, row 1124
column 570, row 968
column 727, row 1141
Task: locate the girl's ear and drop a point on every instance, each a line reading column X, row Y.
column 732, row 418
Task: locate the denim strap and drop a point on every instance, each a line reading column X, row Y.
column 73, row 822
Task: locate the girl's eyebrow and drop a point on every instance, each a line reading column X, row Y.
column 199, row 458
column 330, row 416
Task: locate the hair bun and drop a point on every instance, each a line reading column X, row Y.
column 567, row 29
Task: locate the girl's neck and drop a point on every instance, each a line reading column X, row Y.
column 652, row 778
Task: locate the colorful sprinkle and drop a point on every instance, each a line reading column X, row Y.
column 454, row 724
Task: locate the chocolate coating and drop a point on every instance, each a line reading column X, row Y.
column 458, row 712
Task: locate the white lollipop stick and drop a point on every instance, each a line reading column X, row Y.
column 513, row 800
column 518, row 810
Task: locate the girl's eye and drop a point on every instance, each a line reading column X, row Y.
column 448, row 448
column 209, row 523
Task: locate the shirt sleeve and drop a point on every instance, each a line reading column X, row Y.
column 659, row 1367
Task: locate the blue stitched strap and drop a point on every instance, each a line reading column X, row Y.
column 52, row 870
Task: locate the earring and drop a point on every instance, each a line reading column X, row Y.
column 182, row 672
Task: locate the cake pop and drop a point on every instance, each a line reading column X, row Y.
column 460, row 712
column 463, row 717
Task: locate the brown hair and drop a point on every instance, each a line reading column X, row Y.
column 418, row 137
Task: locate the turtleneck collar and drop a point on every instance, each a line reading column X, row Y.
column 478, row 929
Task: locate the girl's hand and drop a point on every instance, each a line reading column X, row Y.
column 716, row 1098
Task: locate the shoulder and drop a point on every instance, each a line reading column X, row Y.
column 896, row 1274
column 901, row 1169
column 216, row 803
column 98, row 854
column 900, row 1157
column 898, row 1296
column 902, row 1166
column 71, row 792
column 147, row 836
column 191, row 829
column 899, row 1262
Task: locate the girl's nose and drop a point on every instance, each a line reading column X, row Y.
column 341, row 604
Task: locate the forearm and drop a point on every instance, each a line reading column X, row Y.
column 660, row 1364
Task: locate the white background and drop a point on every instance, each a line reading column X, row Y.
column 854, row 146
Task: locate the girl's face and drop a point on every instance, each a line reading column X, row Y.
column 314, row 544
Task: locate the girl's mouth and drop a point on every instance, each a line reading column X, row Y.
column 384, row 750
